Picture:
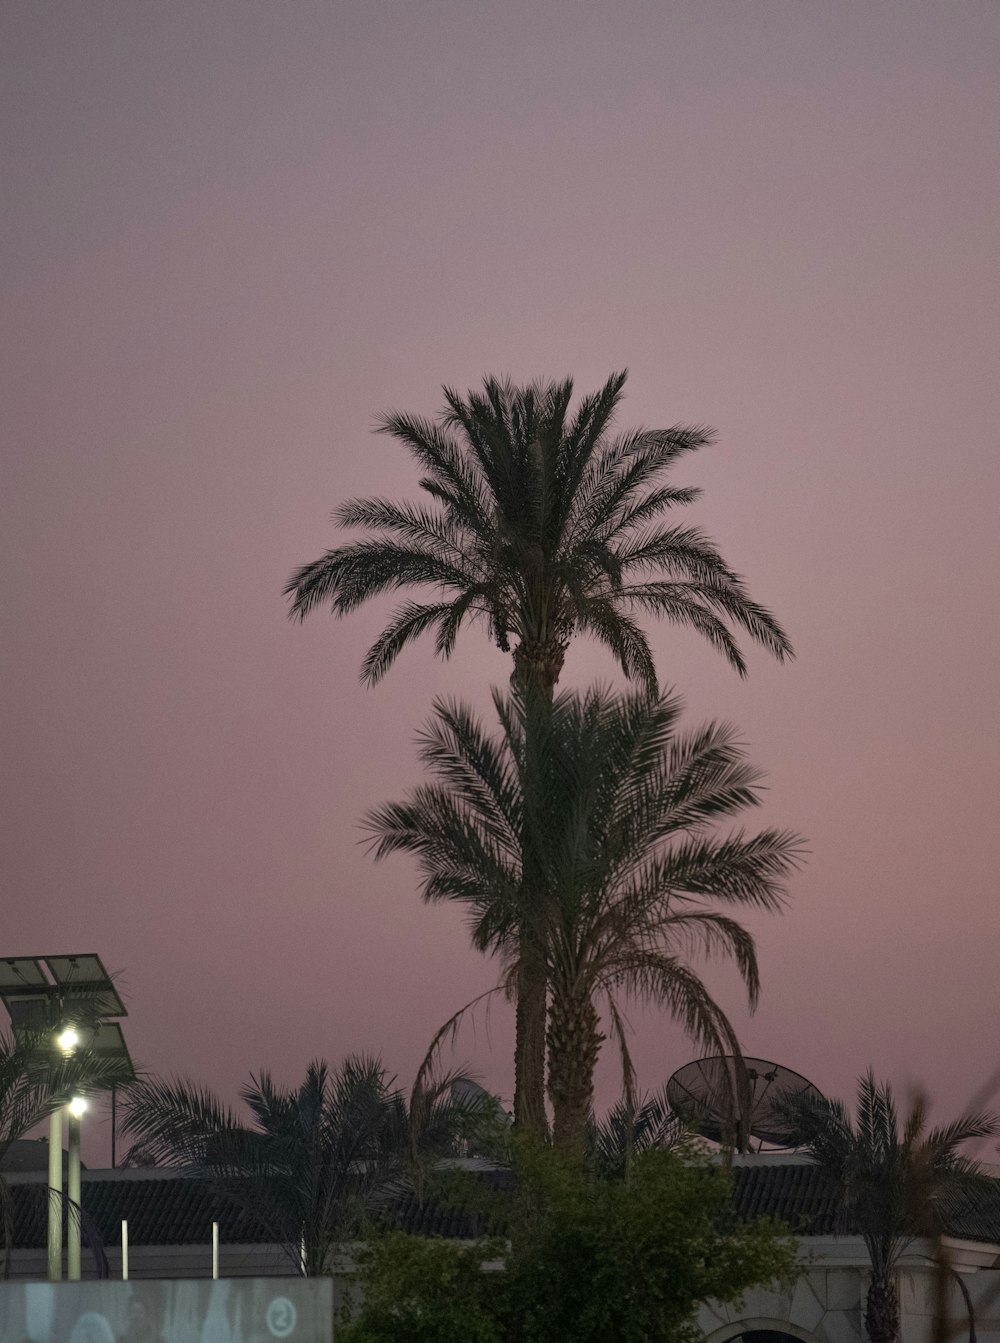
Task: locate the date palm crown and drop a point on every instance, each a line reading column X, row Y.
column 541, row 524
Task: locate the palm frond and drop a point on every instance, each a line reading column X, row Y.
column 633, row 1126
column 536, row 514
column 313, row 1157
column 897, row 1180
column 621, row 635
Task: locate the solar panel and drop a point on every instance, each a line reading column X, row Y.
column 77, row 991
column 82, row 977
column 18, row 971
column 109, row 1043
column 28, row 1013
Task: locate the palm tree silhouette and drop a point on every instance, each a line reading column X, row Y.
column 897, row 1180
column 540, row 524
column 616, row 810
column 310, row 1164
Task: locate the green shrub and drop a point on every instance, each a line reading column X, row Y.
column 590, row 1260
column 421, row 1289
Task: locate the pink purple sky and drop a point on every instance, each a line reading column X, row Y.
column 234, row 232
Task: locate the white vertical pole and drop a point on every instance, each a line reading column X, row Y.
column 55, row 1197
column 302, row 1254
column 215, row 1249
column 124, row 1250
column 73, row 1206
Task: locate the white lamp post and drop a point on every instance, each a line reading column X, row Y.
column 66, row 1041
column 55, row 1196
column 75, row 1110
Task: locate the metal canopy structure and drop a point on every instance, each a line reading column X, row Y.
column 21, row 971
column 44, row 995
column 49, row 992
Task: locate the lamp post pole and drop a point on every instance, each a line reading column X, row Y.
column 75, row 1109
column 66, row 1041
column 55, row 1196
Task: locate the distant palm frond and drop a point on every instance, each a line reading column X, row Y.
column 313, row 1158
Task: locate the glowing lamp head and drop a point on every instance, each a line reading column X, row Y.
column 68, row 1039
column 78, row 1106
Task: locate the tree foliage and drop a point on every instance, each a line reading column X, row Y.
column 313, row 1158
column 590, row 1259
column 424, row 1289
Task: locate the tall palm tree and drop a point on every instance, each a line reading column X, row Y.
column 540, row 524
column 314, row 1156
column 896, row 1179
column 617, row 814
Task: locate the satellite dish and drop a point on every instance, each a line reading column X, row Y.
column 732, row 1100
column 466, row 1092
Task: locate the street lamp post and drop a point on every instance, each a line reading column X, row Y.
column 55, row 1196
column 66, row 1041
column 75, row 1111
column 45, row 996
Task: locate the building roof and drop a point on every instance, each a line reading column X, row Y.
column 167, row 1208
column 800, row 1194
column 161, row 1208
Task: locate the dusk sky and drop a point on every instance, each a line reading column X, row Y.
column 234, row 232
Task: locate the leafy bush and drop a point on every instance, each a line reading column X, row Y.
column 619, row 1261
column 421, row 1289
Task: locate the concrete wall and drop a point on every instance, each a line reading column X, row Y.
column 918, row 1293
column 826, row 1304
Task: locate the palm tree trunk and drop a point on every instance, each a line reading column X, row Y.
column 574, row 1041
column 882, row 1309
column 529, row 1049
column 536, row 669
column 538, row 663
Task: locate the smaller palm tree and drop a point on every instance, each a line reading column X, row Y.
column 26, row 1093
column 616, row 811
column 897, row 1180
column 314, row 1157
column 634, row 1125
